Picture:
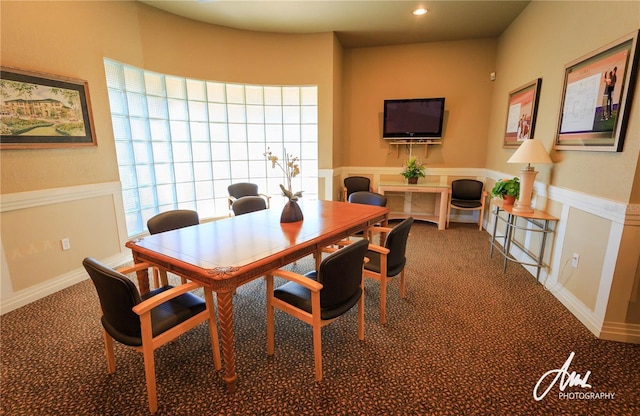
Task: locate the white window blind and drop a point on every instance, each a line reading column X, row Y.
column 180, row 142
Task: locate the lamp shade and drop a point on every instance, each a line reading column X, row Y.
column 530, row 151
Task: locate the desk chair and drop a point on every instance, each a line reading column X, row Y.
column 148, row 322
column 354, row 184
column 388, row 261
column 320, row 297
column 467, row 195
column 168, row 221
column 243, row 189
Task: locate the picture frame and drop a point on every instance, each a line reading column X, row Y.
column 596, row 97
column 522, row 111
column 39, row 110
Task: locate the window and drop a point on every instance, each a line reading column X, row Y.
column 180, row 142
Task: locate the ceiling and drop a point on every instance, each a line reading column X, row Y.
column 357, row 23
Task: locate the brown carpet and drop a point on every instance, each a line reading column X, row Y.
column 467, row 340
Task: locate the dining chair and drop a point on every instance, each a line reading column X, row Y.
column 388, row 260
column 467, row 195
column 248, row 204
column 244, row 189
column 172, row 220
column 320, row 297
column 353, row 184
column 150, row 321
column 368, row 198
column 168, row 221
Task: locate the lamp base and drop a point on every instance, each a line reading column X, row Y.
column 527, row 178
column 521, row 209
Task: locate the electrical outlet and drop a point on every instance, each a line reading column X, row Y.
column 66, row 245
column 574, row 260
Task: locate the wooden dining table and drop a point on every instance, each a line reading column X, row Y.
column 227, row 253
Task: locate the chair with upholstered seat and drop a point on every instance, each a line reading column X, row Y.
column 244, row 189
column 388, row 261
column 148, row 322
column 467, row 195
column 320, row 297
column 368, row 198
column 172, row 220
column 354, row 184
column 248, row 204
column 168, row 221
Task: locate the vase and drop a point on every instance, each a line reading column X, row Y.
column 412, row 181
column 508, row 199
column 291, row 212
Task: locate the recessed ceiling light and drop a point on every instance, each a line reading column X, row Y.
column 420, row 12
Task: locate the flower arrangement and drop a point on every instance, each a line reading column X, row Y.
column 290, row 168
column 413, row 168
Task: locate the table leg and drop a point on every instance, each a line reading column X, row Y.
column 511, row 219
column 225, row 314
column 542, row 244
column 442, row 217
column 495, row 228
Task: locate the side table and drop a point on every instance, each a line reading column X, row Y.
column 535, row 222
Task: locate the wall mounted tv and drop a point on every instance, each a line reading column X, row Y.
column 413, row 119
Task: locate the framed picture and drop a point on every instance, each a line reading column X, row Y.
column 596, row 98
column 43, row 111
column 521, row 113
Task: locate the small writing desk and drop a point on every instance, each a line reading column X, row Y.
column 230, row 252
column 442, row 199
column 536, row 222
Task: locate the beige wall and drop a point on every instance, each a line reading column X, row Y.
column 592, row 193
column 31, row 238
column 545, row 37
column 458, row 71
column 71, row 39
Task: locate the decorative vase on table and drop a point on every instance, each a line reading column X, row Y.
column 412, row 181
column 290, row 167
column 291, row 212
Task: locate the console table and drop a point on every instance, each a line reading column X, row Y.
column 442, row 198
column 535, row 222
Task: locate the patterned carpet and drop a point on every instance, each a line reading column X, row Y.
column 467, row 340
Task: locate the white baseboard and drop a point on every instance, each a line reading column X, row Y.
column 622, row 332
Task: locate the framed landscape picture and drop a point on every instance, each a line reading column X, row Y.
column 43, row 111
column 596, row 98
column 521, row 113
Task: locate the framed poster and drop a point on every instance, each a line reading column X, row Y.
column 521, row 113
column 596, row 98
column 43, row 111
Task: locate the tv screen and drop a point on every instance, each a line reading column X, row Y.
column 417, row 118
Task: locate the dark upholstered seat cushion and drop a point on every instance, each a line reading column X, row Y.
column 118, row 295
column 463, row 203
column 396, row 242
column 374, row 264
column 368, row 198
column 300, row 297
column 172, row 220
column 247, row 204
column 341, row 276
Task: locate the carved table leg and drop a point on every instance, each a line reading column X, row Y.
column 225, row 314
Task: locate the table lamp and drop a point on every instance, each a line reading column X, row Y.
column 530, row 151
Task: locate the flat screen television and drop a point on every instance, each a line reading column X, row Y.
column 416, row 118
